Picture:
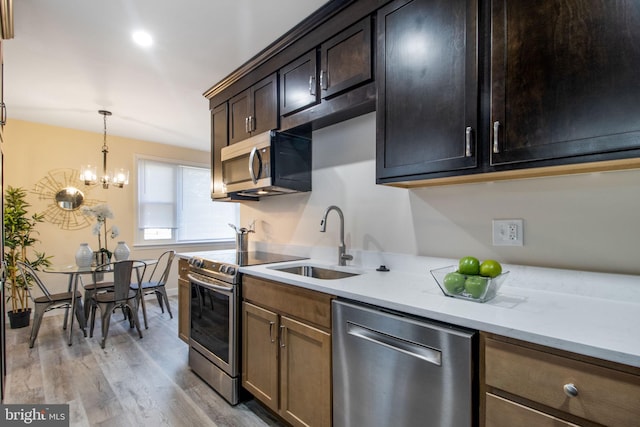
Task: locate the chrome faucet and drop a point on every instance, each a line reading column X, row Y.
column 343, row 257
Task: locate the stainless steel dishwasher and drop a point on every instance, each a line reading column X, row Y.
column 392, row 369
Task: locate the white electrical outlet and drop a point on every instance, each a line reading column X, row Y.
column 508, row 232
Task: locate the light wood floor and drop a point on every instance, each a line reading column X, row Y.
column 132, row 382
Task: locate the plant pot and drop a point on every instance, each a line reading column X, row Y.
column 19, row 319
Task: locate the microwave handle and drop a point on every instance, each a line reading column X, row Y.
column 254, row 153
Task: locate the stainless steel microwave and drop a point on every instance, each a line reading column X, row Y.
column 264, row 165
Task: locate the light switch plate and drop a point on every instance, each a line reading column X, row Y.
column 508, row 232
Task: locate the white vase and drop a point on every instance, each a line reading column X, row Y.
column 84, row 255
column 121, row 252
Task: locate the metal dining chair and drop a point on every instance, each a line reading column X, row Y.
column 97, row 285
column 155, row 284
column 48, row 301
column 121, row 296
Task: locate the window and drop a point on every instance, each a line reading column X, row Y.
column 175, row 206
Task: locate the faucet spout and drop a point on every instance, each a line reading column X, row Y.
column 343, row 257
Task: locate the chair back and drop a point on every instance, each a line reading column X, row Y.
column 160, row 273
column 121, row 276
column 29, row 275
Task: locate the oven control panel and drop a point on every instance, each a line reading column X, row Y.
column 221, row 271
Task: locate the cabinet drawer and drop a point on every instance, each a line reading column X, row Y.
column 300, row 303
column 505, row 413
column 604, row 395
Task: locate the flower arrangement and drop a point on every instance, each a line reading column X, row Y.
column 101, row 213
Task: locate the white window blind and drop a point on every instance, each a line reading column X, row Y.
column 174, row 205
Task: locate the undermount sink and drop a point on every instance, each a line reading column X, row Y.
column 316, row 272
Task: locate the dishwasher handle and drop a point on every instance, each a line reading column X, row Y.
column 410, row 348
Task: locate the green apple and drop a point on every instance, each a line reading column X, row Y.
column 475, row 286
column 490, row 268
column 469, row 265
column 454, row 282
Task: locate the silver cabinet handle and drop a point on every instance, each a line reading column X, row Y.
column 570, row 390
column 312, row 85
column 496, row 139
column 252, row 124
column 271, row 324
column 282, row 331
column 252, row 173
column 3, row 114
column 468, row 141
column 246, row 124
column 324, row 80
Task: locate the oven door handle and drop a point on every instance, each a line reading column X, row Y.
column 211, row 286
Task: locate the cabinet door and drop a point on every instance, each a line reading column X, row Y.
column 219, row 140
column 184, row 300
column 264, row 105
column 305, row 374
column 239, row 117
column 427, row 81
column 260, row 354
column 299, row 84
column 564, row 79
column 346, row 59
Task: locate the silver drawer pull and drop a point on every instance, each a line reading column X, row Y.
column 271, row 325
column 282, row 333
column 496, row 139
column 570, row 390
column 468, row 137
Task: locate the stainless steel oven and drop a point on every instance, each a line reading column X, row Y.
column 213, row 352
column 214, row 343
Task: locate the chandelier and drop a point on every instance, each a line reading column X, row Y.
column 119, row 178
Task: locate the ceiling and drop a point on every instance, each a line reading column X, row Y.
column 70, row 58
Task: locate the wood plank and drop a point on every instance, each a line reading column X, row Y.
column 131, row 382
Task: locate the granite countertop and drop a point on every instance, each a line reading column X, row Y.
column 594, row 314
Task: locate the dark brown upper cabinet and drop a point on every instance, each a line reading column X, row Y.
column 299, row 86
column 564, row 79
column 331, row 83
column 219, row 139
column 254, row 110
column 427, row 84
column 346, row 60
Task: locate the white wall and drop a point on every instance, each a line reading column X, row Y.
column 586, row 222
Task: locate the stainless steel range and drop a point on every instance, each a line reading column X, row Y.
column 214, row 344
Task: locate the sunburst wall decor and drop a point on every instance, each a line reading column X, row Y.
column 60, row 187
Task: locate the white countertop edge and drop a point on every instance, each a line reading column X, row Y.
column 601, row 328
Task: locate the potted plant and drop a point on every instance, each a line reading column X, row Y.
column 19, row 231
column 101, row 213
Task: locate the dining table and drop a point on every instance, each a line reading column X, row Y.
column 75, row 272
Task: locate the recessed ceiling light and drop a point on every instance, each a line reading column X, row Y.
column 142, row 38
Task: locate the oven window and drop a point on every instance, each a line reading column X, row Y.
column 210, row 322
